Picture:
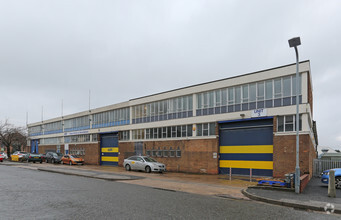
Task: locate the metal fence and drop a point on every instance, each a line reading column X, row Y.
column 321, row 165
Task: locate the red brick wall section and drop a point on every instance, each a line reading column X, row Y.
column 92, row 151
column 284, row 155
column 196, row 155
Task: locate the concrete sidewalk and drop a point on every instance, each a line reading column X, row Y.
column 314, row 197
column 212, row 185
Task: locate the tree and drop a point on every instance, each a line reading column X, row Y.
column 12, row 136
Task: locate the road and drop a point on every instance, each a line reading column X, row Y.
column 32, row 194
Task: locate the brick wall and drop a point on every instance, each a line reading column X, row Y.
column 196, row 155
column 284, row 155
column 92, row 151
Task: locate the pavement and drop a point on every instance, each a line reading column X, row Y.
column 314, row 197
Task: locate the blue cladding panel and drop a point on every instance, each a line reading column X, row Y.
column 248, row 136
column 240, row 171
column 252, row 157
column 109, row 163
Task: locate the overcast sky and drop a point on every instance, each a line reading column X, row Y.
column 59, row 50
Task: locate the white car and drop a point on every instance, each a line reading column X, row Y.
column 143, row 163
column 4, row 155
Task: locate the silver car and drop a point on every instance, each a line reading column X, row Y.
column 143, row 163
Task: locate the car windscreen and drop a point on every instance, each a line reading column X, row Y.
column 60, row 154
column 149, row 159
column 74, row 156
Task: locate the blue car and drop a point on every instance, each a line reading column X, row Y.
column 325, row 177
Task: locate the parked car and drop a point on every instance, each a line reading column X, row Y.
column 143, row 163
column 22, row 156
column 72, row 159
column 34, row 158
column 52, row 157
column 325, row 177
column 1, row 158
column 4, row 155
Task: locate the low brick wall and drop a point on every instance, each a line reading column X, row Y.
column 304, row 180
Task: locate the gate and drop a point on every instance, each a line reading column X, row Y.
column 322, row 165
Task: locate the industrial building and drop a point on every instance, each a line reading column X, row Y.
column 239, row 124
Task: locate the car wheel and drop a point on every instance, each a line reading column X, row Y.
column 41, row 161
column 128, row 167
column 338, row 182
column 147, row 169
column 70, row 163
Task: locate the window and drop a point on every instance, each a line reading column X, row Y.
column 268, row 89
column 260, row 91
column 206, row 129
column 178, row 152
column 238, row 95
column 165, row 152
column 278, row 88
column 287, row 123
column 159, row 152
column 287, row 86
column 171, row 152
column 252, row 92
column 245, row 93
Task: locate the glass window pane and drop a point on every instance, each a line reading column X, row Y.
column 260, row 91
column 238, row 95
column 199, row 101
column 280, row 124
column 245, row 93
column 278, row 88
column 287, row 86
column 199, row 129
column 289, row 123
column 252, row 92
column 223, row 97
column 205, row 129
column 212, row 129
column 268, row 90
column 211, row 99
column 190, row 103
column 189, row 130
column 217, row 98
column 231, row 96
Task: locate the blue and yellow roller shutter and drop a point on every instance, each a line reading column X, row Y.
column 109, row 149
column 246, row 145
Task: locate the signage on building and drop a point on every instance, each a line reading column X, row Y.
column 75, row 133
column 261, row 112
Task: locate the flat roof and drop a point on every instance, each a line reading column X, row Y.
column 232, row 77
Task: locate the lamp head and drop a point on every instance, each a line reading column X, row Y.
column 294, row 42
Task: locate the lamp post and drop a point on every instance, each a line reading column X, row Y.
column 294, row 42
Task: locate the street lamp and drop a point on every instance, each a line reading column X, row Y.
column 294, row 42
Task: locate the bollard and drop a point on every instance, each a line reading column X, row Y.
column 230, row 173
column 331, row 184
column 250, row 174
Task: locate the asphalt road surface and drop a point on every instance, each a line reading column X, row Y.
column 32, row 194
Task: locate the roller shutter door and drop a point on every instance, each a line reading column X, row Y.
column 109, row 149
column 245, row 145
